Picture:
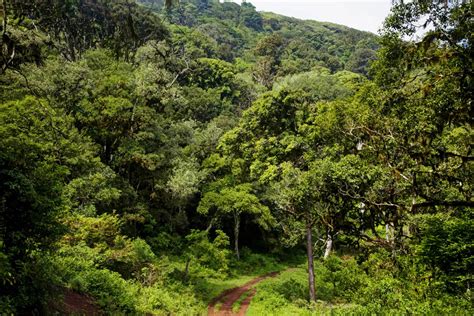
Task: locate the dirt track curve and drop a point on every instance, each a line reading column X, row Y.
column 229, row 297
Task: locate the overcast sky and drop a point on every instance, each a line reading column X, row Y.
column 367, row 15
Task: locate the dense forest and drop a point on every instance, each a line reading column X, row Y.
column 154, row 154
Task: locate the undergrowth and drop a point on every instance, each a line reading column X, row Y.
column 345, row 287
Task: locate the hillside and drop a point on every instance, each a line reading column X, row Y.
column 233, row 31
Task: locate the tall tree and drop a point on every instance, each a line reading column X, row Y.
column 235, row 201
column 427, row 81
column 275, row 141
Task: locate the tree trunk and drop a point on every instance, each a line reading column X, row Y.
column 388, row 232
column 309, row 248
column 211, row 223
column 186, row 270
column 5, row 16
column 236, row 234
column 329, row 242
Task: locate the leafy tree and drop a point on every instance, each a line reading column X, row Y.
column 250, row 17
column 414, row 80
column 270, row 49
column 235, row 201
column 275, row 141
column 40, row 151
column 122, row 26
column 184, row 183
column 293, row 194
column 21, row 42
column 359, row 60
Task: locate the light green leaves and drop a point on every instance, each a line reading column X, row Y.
column 237, row 199
column 185, row 179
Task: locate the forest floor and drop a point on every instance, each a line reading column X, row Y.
column 74, row 303
column 227, row 303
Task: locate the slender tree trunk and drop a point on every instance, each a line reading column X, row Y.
column 309, row 248
column 7, row 47
column 329, row 242
column 211, row 223
column 397, row 230
column 5, row 16
column 388, row 232
column 186, row 270
column 236, row 234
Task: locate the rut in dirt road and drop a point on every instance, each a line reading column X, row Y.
column 229, row 297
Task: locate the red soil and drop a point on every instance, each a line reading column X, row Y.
column 77, row 304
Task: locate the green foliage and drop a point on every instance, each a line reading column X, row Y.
column 258, row 264
column 359, row 60
column 250, row 17
column 39, row 149
column 233, row 202
column 65, row 21
column 131, row 133
column 345, row 276
column 238, row 199
column 86, row 193
column 275, row 296
column 185, row 180
column 446, row 246
column 5, row 273
column 123, row 275
column 237, row 30
column 343, row 287
column 21, row 42
column 210, row 254
column 111, row 291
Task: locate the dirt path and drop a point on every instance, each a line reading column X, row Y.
column 229, row 297
column 73, row 303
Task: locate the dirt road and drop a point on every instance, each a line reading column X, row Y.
column 222, row 304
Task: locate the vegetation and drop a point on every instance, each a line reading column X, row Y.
column 139, row 140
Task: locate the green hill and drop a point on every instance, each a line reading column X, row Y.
column 235, row 31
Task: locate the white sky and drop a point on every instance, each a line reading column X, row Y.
column 367, row 15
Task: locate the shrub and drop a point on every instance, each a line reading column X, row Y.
column 255, row 263
column 213, row 254
column 345, row 276
column 113, row 294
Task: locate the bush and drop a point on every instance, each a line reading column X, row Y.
column 344, row 288
column 345, row 276
column 277, row 296
column 113, row 294
column 447, row 247
column 255, row 263
column 212, row 255
column 150, row 291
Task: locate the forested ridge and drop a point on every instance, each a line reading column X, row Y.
column 156, row 153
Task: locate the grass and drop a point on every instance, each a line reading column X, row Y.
column 218, row 306
column 276, row 296
column 286, row 295
column 343, row 287
column 238, row 303
column 211, row 288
